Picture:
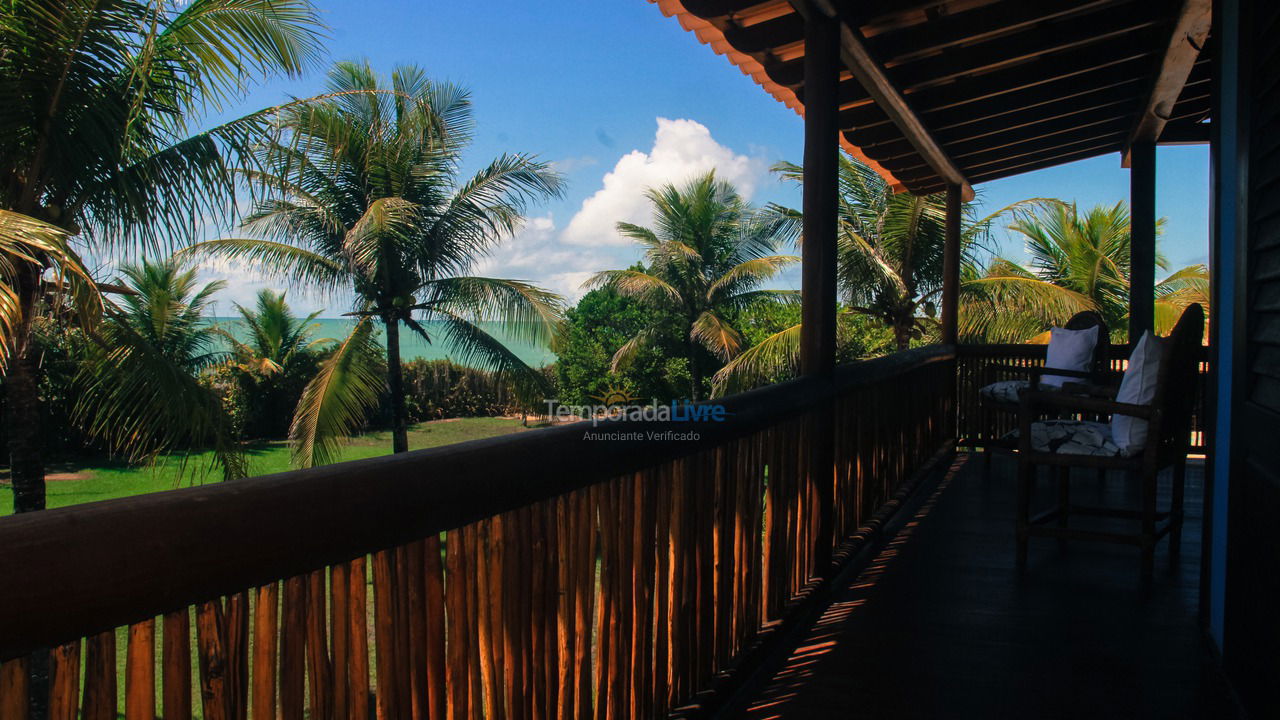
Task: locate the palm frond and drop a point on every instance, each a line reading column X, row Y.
column 775, row 358
column 338, row 399
column 712, row 332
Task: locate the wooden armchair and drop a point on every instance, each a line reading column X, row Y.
column 1004, row 386
column 1082, row 443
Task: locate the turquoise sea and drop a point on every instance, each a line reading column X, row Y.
column 412, row 346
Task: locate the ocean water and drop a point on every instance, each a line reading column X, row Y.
column 412, row 345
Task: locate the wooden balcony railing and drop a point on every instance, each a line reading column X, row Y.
column 977, row 365
column 540, row 575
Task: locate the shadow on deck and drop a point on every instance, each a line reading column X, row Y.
column 941, row 624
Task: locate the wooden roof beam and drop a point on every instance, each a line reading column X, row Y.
column 871, row 75
column 1189, row 34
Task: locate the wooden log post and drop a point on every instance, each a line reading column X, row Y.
column 1142, row 239
column 818, row 311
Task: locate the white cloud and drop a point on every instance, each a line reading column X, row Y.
column 536, row 253
column 681, row 150
column 243, row 282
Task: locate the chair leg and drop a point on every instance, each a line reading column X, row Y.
column 1148, row 523
column 1175, row 512
column 1025, row 474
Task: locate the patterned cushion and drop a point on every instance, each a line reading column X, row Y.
column 1072, row 437
column 1005, row 391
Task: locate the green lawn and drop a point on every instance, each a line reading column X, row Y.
column 74, row 483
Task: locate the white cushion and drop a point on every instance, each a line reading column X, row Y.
column 1005, row 391
column 1071, row 437
column 1137, row 388
column 1069, row 350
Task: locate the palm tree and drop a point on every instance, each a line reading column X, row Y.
column 274, row 362
column 364, row 195
column 164, row 306
column 139, row 386
column 277, row 339
column 889, row 249
column 706, row 258
column 1079, row 261
column 95, row 150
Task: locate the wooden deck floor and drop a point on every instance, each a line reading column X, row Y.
column 941, row 624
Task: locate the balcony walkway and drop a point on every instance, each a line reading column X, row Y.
column 941, row 625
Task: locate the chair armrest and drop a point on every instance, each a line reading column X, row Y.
column 1106, row 392
column 1038, row 372
column 1038, row 400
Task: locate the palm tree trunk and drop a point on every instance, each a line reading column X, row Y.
column 395, row 384
column 902, row 336
column 695, row 373
column 22, row 415
column 26, row 458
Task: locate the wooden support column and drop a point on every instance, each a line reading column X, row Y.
column 1142, row 239
column 951, row 267
column 818, row 311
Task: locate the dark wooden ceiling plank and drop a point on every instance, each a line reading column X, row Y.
column 1027, row 104
column 982, row 24
column 1040, row 164
column 1011, row 88
column 766, row 36
column 1041, row 119
column 1045, row 41
column 1182, row 49
column 984, row 163
column 872, row 77
column 1090, row 144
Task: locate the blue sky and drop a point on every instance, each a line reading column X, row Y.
column 620, row 98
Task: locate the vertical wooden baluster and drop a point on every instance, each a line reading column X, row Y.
column 293, row 634
column 624, row 491
column 417, row 630
column 177, row 665
column 100, row 677
column 213, row 660
column 662, row 589
column 358, row 640
column 676, row 587
column 384, row 627
column 319, row 671
column 455, row 603
column 496, row 563
column 528, row 561
column 400, row 602
column 550, row 623
column 565, row 631
column 516, row 616
column 537, row 671
column 340, row 637
column 435, row 626
column 266, row 622
column 497, row 556
column 473, row 618
column 64, row 681
column 488, row 694
column 726, row 561
column 15, row 683
column 236, row 647
column 140, row 672
column 606, row 615
column 642, row 587
column 584, row 598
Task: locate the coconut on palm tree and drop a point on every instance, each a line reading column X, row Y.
column 1079, row 261
column 889, row 249
column 97, row 153
column 705, row 258
column 364, row 197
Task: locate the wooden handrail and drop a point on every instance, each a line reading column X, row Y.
column 73, row 572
